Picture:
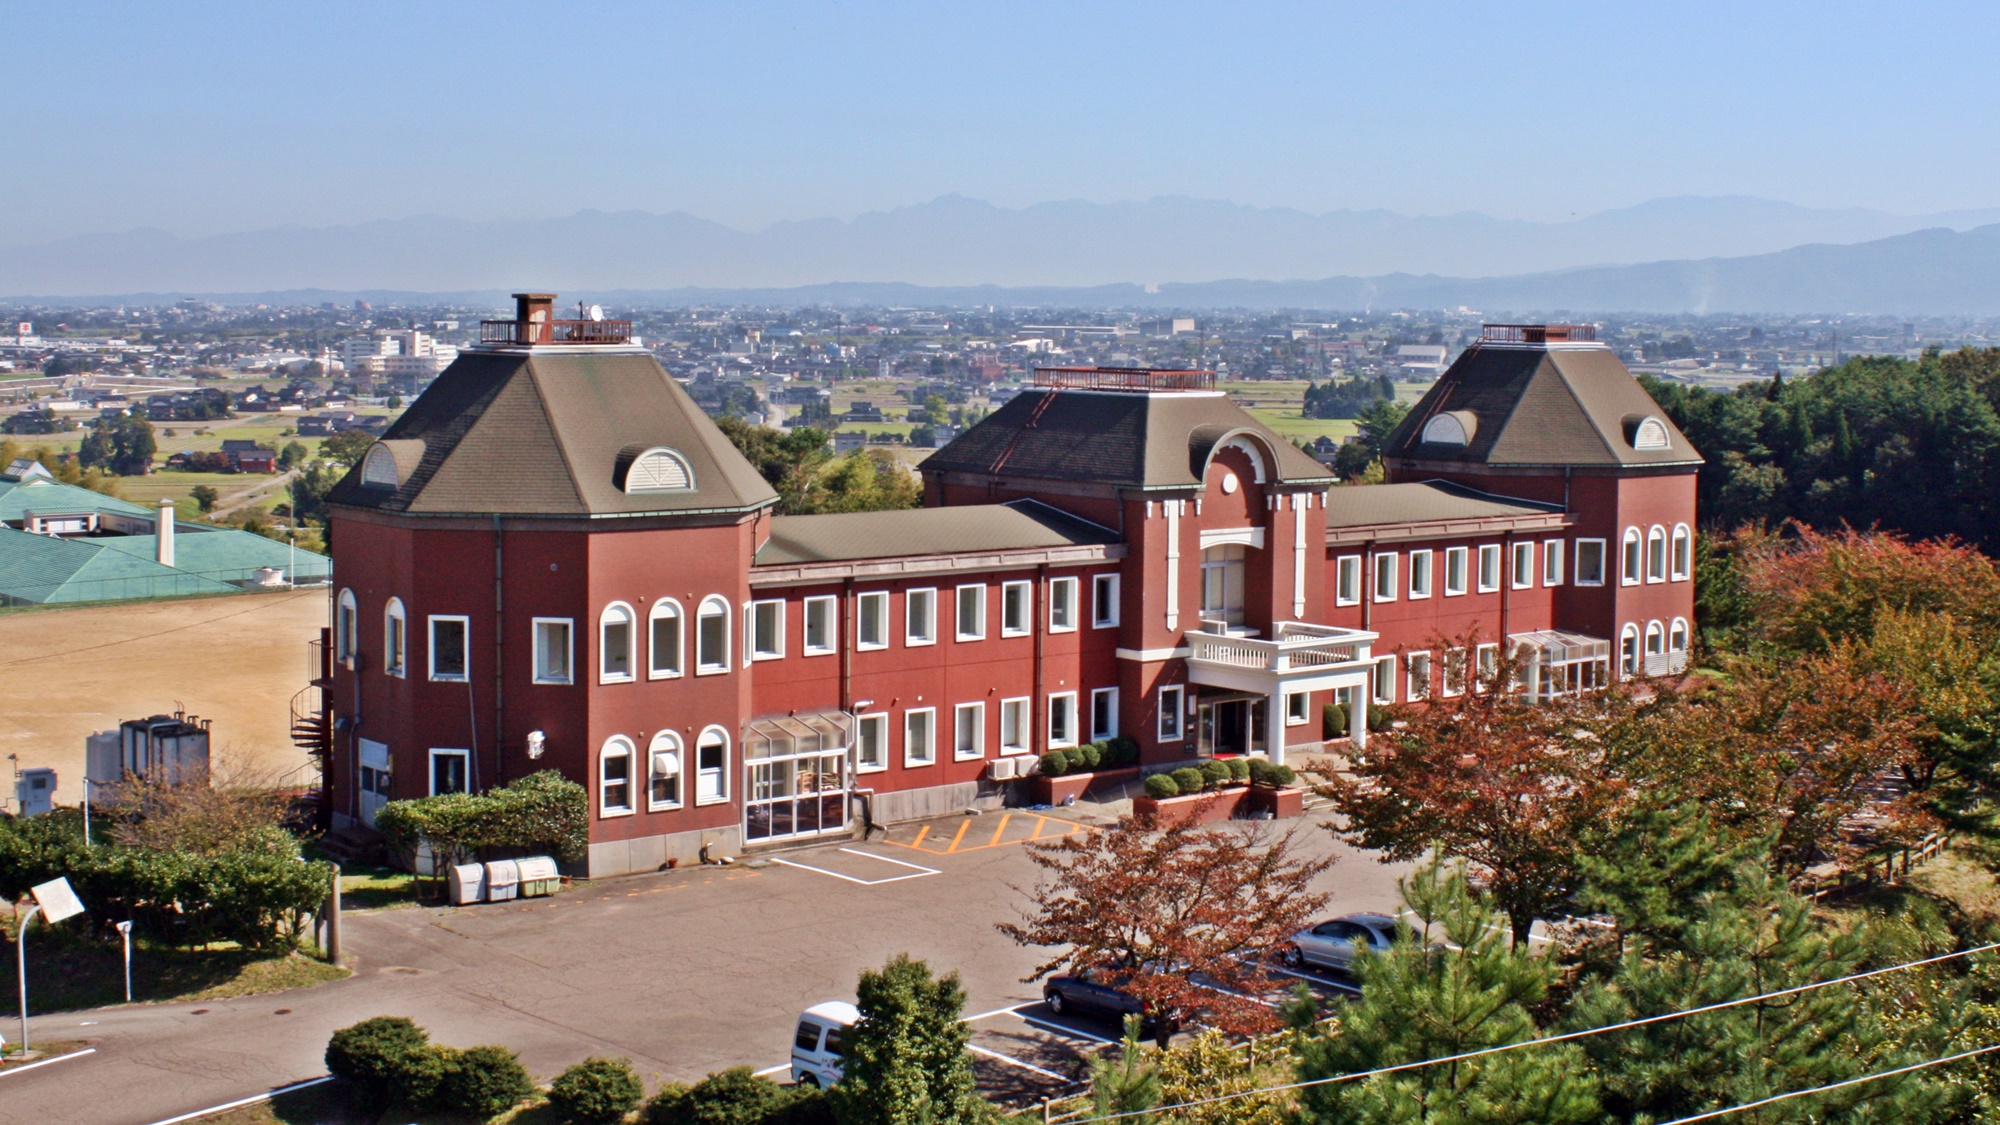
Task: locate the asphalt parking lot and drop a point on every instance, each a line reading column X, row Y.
column 684, row 972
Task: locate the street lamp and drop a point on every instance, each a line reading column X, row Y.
column 125, row 932
column 54, row 901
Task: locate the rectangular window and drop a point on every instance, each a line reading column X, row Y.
column 1454, row 671
column 1103, row 714
column 1456, row 560
column 1385, row 578
column 871, row 743
column 448, row 771
column 1489, row 666
column 1489, row 567
column 1173, row 701
column 1552, row 562
column 1104, row 601
column 711, row 770
column 448, row 647
column 1420, row 574
column 1015, row 608
column 552, row 653
column 871, row 624
column 1062, row 719
column 972, row 613
column 1419, row 664
column 1062, row 605
column 968, row 731
column 1347, row 580
column 665, row 654
column 1296, row 705
column 1524, row 566
column 767, row 630
column 1590, row 562
column 920, row 617
column 820, row 624
column 395, row 644
column 614, row 788
column 1014, row 724
column 920, row 736
column 1385, row 680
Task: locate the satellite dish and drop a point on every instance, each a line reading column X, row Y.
column 597, row 312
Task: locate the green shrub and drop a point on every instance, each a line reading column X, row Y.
column 1239, row 769
column 1160, row 786
column 424, row 1075
column 542, row 811
column 485, row 1082
column 728, row 1097
column 596, row 1091
column 1055, row 763
column 1333, row 721
column 807, row 1107
column 1379, row 719
column 1126, row 748
column 1277, row 777
column 1215, row 774
column 377, row 1057
column 1260, row 771
column 1092, row 754
column 1190, row 780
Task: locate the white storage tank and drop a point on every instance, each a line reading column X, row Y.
column 539, row 876
column 468, row 883
column 503, row 880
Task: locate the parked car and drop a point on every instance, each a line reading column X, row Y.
column 1334, row 944
column 816, row 1043
column 1101, row 992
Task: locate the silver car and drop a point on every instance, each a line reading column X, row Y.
column 1334, row 944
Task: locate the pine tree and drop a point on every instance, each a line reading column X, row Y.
column 904, row 1062
column 1126, row 1082
column 1422, row 1000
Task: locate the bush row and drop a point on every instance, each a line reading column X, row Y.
column 1107, row 754
column 1214, row 774
column 1334, row 717
column 541, row 811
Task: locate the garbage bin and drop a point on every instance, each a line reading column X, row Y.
column 503, row 878
column 538, row 876
column 468, row 883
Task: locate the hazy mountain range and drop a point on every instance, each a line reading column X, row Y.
column 1734, row 254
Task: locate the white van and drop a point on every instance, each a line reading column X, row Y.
column 816, row 1043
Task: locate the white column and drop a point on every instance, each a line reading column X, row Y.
column 1172, row 509
column 1274, row 727
column 163, row 530
column 1357, row 714
column 1299, row 555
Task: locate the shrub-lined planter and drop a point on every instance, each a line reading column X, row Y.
column 1055, row 790
column 1197, row 808
column 1280, row 803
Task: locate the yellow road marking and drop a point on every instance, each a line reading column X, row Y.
column 921, row 833
column 962, row 826
column 999, row 828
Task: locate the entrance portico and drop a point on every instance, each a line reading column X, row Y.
column 1262, row 672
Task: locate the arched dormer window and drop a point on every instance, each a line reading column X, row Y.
column 614, row 643
column 379, row 467
column 1453, row 427
column 1650, row 433
column 658, row 469
column 395, row 637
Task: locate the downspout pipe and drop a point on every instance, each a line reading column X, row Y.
column 499, row 660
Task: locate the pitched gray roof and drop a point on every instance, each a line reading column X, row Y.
column 1019, row 525
column 1535, row 406
column 1129, row 440
column 541, row 432
column 1368, row 505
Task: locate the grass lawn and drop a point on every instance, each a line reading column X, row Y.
column 375, row 888
column 43, row 1048
column 68, row 971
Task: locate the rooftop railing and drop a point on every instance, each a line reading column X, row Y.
column 1124, row 379
column 1536, row 333
column 555, row 332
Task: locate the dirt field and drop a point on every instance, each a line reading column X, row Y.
column 237, row 660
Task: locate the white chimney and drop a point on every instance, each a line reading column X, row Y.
column 163, row 551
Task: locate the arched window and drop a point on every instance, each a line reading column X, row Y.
column 1650, row 433
column 346, row 620
column 1656, row 554
column 1656, row 639
column 395, row 633
column 614, row 643
column 659, row 470
column 711, row 636
column 1682, row 560
column 663, row 772
column 1628, row 651
column 1454, row 427
column 614, row 777
column 1677, row 635
column 1629, row 569
column 663, row 640
column 711, row 767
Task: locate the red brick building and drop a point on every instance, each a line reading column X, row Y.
column 554, row 559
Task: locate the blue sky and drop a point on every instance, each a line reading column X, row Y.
column 200, row 117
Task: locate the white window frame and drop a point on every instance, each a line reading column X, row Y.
column 721, row 773
column 395, row 639
column 1097, row 733
column 1489, row 551
column 666, row 742
column 1063, row 702
column 1018, row 710
column 1062, row 607
column 720, row 606
column 1552, row 562
column 1678, row 635
column 1680, row 553
column 1347, row 580
column 465, row 648
column 346, row 627
column 614, row 748
column 1603, row 550
column 1631, row 653
column 430, row 773
column 879, row 720
column 775, row 607
column 1298, row 708
column 1457, row 571
column 1420, row 573
column 605, row 620
column 1656, row 554
column 1024, row 593
column 928, row 596
column 661, row 609
column 536, row 651
column 879, row 601
column 1656, row 638
column 1385, row 576
column 1104, row 590
column 1523, row 576
column 1485, row 662
column 1417, row 676
column 826, row 608
column 910, row 759
column 1385, row 675
column 1457, row 668
column 978, row 711
column 1632, row 558
column 977, row 593
column 1173, row 706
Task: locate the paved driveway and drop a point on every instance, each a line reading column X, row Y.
column 684, row 972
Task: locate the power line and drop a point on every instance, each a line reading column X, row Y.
column 1421, row 1063
column 1832, row 1086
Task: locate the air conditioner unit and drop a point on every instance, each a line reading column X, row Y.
column 1001, row 769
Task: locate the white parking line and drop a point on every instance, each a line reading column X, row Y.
column 770, row 1070
column 1012, row 1061
column 1061, row 1029
column 45, row 1062
column 920, row 871
column 998, row 1012
column 241, row 1102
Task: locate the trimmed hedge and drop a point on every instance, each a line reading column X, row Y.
column 1265, row 774
column 1214, row 774
column 596, row 1091
column 1055, row 763
column 1239, row 769
column 729, row 1097
column 1190, row 780
column 485, row 1082
column 1160, row 786
column 542, row 810
column 390, row 1061
column 378, row 1058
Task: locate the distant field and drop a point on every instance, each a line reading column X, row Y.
column 1291, row 424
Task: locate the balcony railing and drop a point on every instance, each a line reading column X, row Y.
column 1536, row 333
column 1297, row 647
column 555, row 332
column 1124, row 379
